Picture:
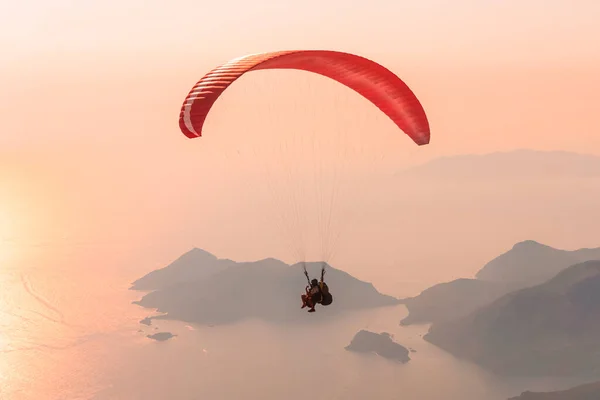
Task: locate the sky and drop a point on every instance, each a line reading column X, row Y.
column 91, row 152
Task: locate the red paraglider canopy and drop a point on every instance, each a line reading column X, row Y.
column 373, row 81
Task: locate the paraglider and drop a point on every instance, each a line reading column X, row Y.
column 371, row 80
column 316, row 292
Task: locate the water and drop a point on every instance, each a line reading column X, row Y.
column 69, row 331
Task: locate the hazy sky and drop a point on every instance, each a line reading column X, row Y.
column 90, row 148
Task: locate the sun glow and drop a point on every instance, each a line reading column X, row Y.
column 7, row 231
column 4, row 235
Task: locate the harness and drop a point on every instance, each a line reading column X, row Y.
column 322, row 285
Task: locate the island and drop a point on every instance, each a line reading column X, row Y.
column 381, row 344
column 161, row 336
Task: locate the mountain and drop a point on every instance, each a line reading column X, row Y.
column 528, row 263
column 267, row 289
column 518, row 164
column 194, row 265
column 550, row 329
column 589, row 391
column 451, row 300
column 531, row 263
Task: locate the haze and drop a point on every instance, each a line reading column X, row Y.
column 98, row 186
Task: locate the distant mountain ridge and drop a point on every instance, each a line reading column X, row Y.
column 230, row 291
column 516, row 164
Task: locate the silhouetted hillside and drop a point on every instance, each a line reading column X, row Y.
column 193, row 265
column 590, row 391
column 531, row 263
column 268, row 289
column 528, row 263
column 450, row 300
column 549, row 329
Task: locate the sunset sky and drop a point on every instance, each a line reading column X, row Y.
column 90, row 148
